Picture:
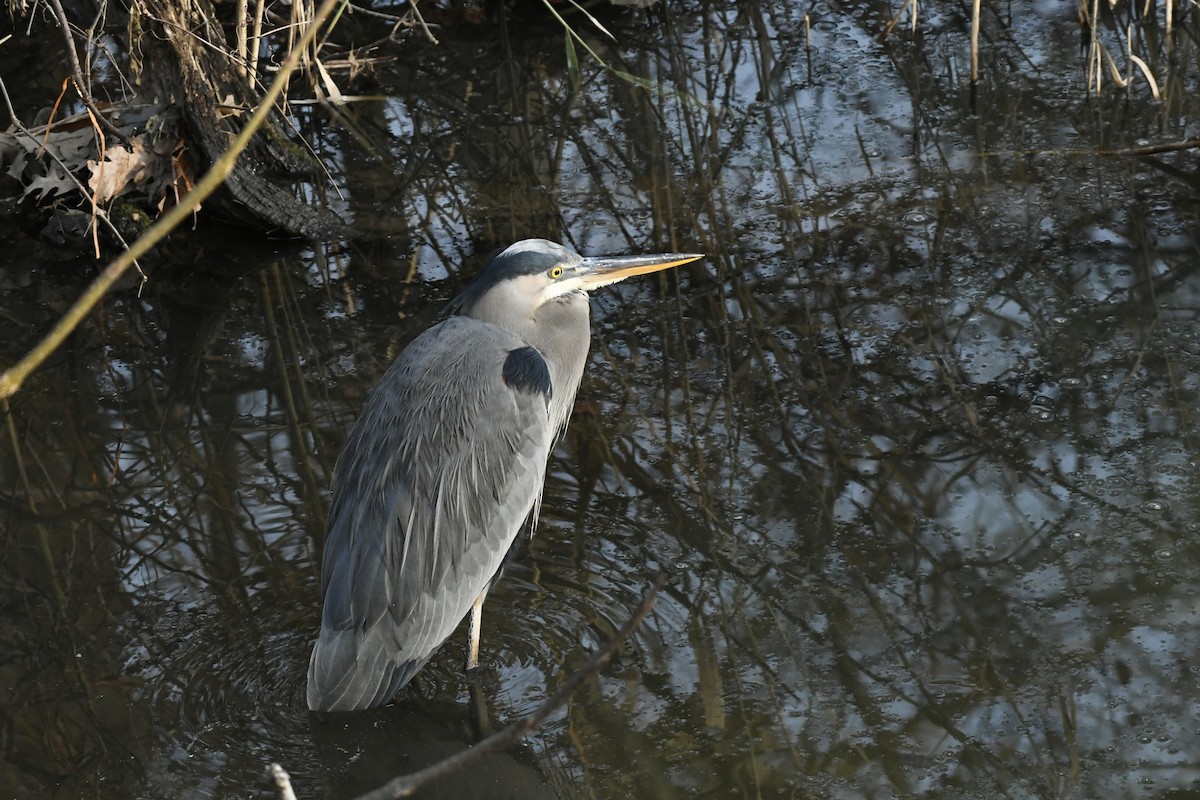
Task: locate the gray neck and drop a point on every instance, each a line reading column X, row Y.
column 560, row 329
column 562, row 332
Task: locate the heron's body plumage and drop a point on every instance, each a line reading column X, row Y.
column 413, row 548
column 446, row 464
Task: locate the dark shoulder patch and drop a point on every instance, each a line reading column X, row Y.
column 525, row 371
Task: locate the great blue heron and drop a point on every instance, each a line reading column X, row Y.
column 445, row 465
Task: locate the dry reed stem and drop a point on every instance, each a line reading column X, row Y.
column 239, row 26
column 333, row 94
column 256, row 41
column 94, row 197
column 1100, row 56
column 1113, row 70
column 1135, row 60
column 975, row 11
column 1149, row 76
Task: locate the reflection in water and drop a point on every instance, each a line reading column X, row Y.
column 361, row 752
column 917, row 451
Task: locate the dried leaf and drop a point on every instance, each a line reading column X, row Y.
column 66, row 224
column 10, row 147
column 331, row 88
column 229, row 107
column 16, row 170
column 51, row 183
column 124, row 169
column 72, row 147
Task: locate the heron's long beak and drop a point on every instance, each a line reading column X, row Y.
column 603, row 270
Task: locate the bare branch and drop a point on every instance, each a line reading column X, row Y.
column 81, row 86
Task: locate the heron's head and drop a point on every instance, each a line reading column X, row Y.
column 531, row 273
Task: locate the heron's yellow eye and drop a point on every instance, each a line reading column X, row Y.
column 556, row 272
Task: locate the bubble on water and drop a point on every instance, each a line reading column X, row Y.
column 1076, row 536
column 1060, row 321
column 960, row 280
column 1153, row 506
column 1071, row 383
column 1041, row 414
column 917, row 218
column 1165, row 553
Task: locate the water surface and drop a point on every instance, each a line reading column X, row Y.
column 915, row 444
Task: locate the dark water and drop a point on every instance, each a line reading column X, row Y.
column 916, row 444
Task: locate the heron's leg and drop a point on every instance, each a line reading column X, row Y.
column 476, row 622
column 481, row 717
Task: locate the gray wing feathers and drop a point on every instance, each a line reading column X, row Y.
column 432, row 487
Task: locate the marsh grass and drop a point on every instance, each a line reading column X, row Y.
column 1139, row 47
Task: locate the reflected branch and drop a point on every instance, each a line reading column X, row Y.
column 406, row 785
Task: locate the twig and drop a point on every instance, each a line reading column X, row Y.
column 1151, row 149
column 1142, row 150
column 370, row 12
column 398, row 21
column 283, row 782
column 405, row 785
column 81, row 86
column 12, row 378
column 416, row 12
